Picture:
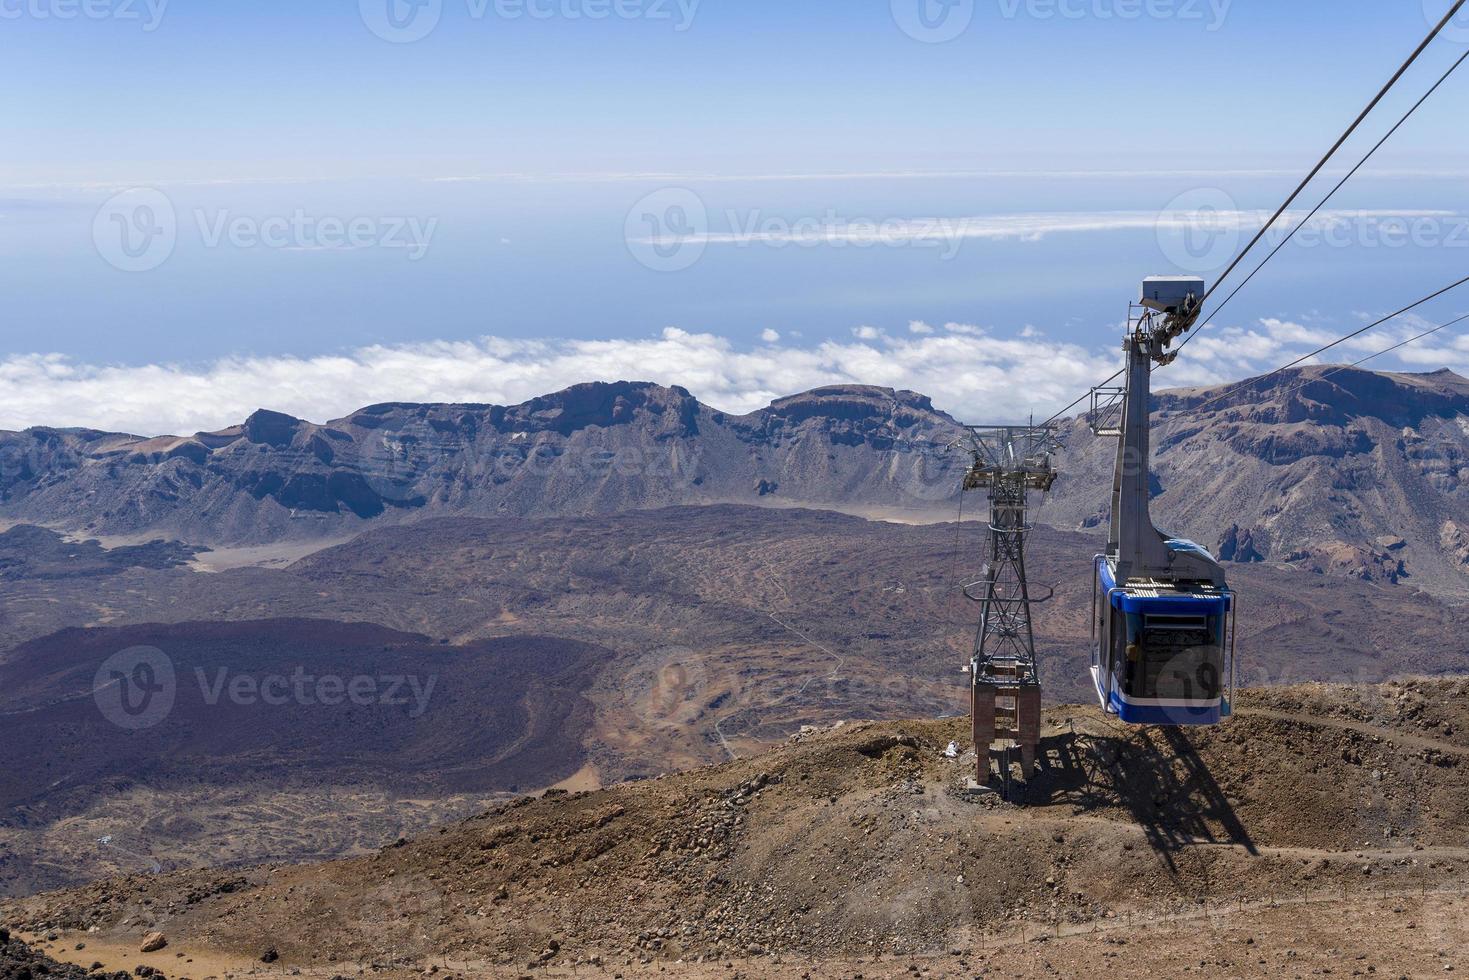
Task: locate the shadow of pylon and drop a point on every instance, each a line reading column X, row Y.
column 1155, row 774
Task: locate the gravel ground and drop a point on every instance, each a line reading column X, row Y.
column 862, row 841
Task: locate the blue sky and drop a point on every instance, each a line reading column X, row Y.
column 496, row 168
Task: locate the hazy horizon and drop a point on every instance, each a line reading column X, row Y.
column 217, row 206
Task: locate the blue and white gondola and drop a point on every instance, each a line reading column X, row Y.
column 1162, row 651
column 1162, row 628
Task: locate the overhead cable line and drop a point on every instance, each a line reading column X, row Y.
column 1231, row 389
column 1083, row 397
column 1356, row 124
column 1370, row 357
column 1317, row 209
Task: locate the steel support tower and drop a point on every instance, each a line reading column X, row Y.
column 1005, row 687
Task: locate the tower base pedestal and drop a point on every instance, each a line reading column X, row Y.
column 1001, row 713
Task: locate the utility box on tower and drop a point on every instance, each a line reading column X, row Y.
column 1169, row 294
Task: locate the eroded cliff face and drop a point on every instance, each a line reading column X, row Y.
column 1344, row 472
column 1340, row 471
column 594, row 448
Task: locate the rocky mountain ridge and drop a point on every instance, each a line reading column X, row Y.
column 1333, row 470
column 1328, row 469
column 591, row 449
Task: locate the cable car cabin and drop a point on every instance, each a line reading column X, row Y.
column 1162, row 612
column 1163, row 651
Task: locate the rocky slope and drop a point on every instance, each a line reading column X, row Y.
column 21, row 962
column 863, row 841
column 591, row 449
column 1333, row 470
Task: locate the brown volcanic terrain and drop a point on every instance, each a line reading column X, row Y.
column 610, row 641
column 715, row 631
column 758, row 604
column 1348, row 805
column 721, row 629
column 325, row 737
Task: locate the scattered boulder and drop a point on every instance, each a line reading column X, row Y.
column 1239, row 545
column 1455, row 542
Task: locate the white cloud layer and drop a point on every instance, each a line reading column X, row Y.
column 753, row 228
column 974, row 373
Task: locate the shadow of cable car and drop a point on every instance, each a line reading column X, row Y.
column 1155, row 774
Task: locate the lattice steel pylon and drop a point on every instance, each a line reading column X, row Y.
column 1005, row 687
